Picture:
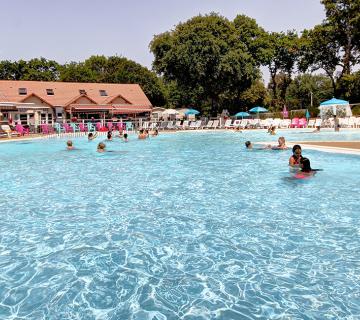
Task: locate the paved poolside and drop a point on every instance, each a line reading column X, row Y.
column 349, row 147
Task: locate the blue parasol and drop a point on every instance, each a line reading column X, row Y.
column 242, row 114
column 258, row 109
column 191, row 111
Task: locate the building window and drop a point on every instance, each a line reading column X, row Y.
column 50, row 92
column 82, row 91
column 103, row 93
column 22, row 91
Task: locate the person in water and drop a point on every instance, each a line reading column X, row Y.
column 142, row 135
column 248, row 145
column 126, row 137
column 306, row 170
column 92, row 136
column 155, row 132
column 281, row 144
column 294, row 160
column 101, row 147
column 69, row 145
column 109, row 135
column 271, row 130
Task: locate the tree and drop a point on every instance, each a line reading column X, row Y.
column 344, row 18
column 306, row 89
column 34, row 69
column 204, row 56
column 281, row 57
column 333, row 46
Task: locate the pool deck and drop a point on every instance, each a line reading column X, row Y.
column 346, row 147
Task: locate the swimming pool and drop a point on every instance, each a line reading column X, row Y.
column 188, row 226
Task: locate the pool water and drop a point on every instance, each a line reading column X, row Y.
column 181, row 226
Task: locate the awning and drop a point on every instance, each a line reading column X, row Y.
column 90, row 107
column 112, row 108
column 131, row 110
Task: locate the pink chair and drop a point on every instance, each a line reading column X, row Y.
column 22, row 130
column 82, row 127
column 294, row 123
column 68, row 128
column 302, row 123
column 121, row 126
column 109, row 126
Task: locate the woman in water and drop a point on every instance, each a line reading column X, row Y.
column 281, row 144
column 109, row 135
column 294, row 160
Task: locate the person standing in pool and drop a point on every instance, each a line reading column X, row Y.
column 281, row 144
column 101, row 147
column 69, row 145
column 294, row 160
column 92, row 136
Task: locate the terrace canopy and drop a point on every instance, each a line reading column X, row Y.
column 334, row 107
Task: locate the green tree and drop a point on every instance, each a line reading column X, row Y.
column 308, row 89
column 282, row 52
column 204, row 56
column 333, row 46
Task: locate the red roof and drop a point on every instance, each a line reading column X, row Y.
column 66, row 93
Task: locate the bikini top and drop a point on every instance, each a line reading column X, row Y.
column 296, row 160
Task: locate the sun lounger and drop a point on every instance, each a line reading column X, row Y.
column 186, row 124
column 209, row 124
column 311, row 123
column 170, row 125
column 228, row 124
column 6, row 128
column 215, row 124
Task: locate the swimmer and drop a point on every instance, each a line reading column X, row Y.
column 92, row 136
column 306, row 170
column 69, row 145
column 281, row 144
column 142, row 135
column 317, row 129
column 294, row 160
column 271, row 130
column 126, row 137
column 109, row 135
column 248, row 145
column 101, row 147
column 155, row 132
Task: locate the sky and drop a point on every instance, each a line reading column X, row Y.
column 74, row 30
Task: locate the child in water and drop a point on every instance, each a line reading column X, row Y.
column 101, row 147
column 126, row 137
column 306, row 170
column 69, row 145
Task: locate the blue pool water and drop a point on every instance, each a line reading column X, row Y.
column 181, row 226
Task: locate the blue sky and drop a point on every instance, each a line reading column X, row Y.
column 74, row 30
